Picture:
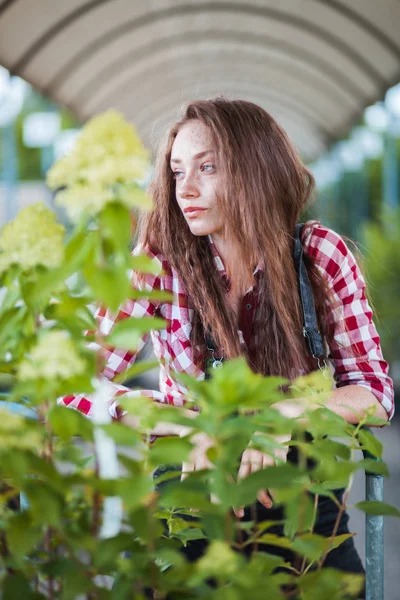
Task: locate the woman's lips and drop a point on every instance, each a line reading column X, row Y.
column 192, row 213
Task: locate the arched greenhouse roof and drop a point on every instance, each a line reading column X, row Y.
column 314, row 64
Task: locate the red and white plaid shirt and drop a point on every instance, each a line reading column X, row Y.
column 356, row 356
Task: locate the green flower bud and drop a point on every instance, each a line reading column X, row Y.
column 32, row 238
column 107, row 156
column 55, row 356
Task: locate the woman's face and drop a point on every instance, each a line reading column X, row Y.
column 197, row 178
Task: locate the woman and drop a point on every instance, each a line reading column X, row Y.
column 228, row 190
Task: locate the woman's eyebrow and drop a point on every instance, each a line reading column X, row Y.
column 199, row 155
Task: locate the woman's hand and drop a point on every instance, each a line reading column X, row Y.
column 255, row 460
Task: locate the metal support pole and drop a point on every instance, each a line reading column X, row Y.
column 374, row 549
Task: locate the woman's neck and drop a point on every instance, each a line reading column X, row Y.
column 231, row 254
column 227, row 248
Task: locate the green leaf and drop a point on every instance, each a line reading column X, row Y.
column 78, row 248
column 338, row 540
column 190, row 493
column 145, row 526
column 110, row 285
column 81, row 384
column 135, row 490
column 329, row 583
column 145, row 264
column 373, row 466
column 263, row 563
column 272, row 477
column 122, row 434
column 320, row 490
column 69, row 309
column 170, row 450
column 41, row 495
column 327, row 447
column 16, row 586
column 40, row 466
column 176, row 524
column 219, row 560
column 76, row 252
column 300, row 515
column 334, row 474
column 324, row 422
column 310, row 545
column 22, row 535
column 108, row 551
column 127, row 333
column 156, row 295
column 190, row 534
column 14, row 465
column 12, row 295
column 75, row 580
column 374, row 507
column 115, row 225
column 370, row 443
column 217, row 527
column 10, row 323
column 136, row 370
column 67, row 423
column 274, row 540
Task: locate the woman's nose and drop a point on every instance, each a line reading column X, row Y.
column 189, row 187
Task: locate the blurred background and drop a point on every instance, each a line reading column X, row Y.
column 327, row 70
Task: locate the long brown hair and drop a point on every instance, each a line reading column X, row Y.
column 266, row 187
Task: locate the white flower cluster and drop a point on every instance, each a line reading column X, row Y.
column 32, row 238
column 55, row 356
column 107, row 156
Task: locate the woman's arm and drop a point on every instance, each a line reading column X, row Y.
column 360, row 371
column 350, row 402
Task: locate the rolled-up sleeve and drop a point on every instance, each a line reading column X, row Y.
column 355, row 350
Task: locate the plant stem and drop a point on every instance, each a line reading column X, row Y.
column 336, row 526
column 4, row 552
column 228, row 521
column 253, row 509
column 303, row 564
column 239, row 533
column 48, row 456
column 48, row 546
column 151, row 545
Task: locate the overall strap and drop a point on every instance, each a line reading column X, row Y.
column 310, row 326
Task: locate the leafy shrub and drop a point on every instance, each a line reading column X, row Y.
column 92, row 523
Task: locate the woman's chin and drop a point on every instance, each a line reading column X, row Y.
column 199, row 229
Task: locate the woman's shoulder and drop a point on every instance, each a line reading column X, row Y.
column 327, row 248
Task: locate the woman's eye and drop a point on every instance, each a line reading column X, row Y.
column 176, row 174
column 208, row 167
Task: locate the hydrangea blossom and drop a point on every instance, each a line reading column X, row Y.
column 55, row 356
column 32, row 238
column 108, row 156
